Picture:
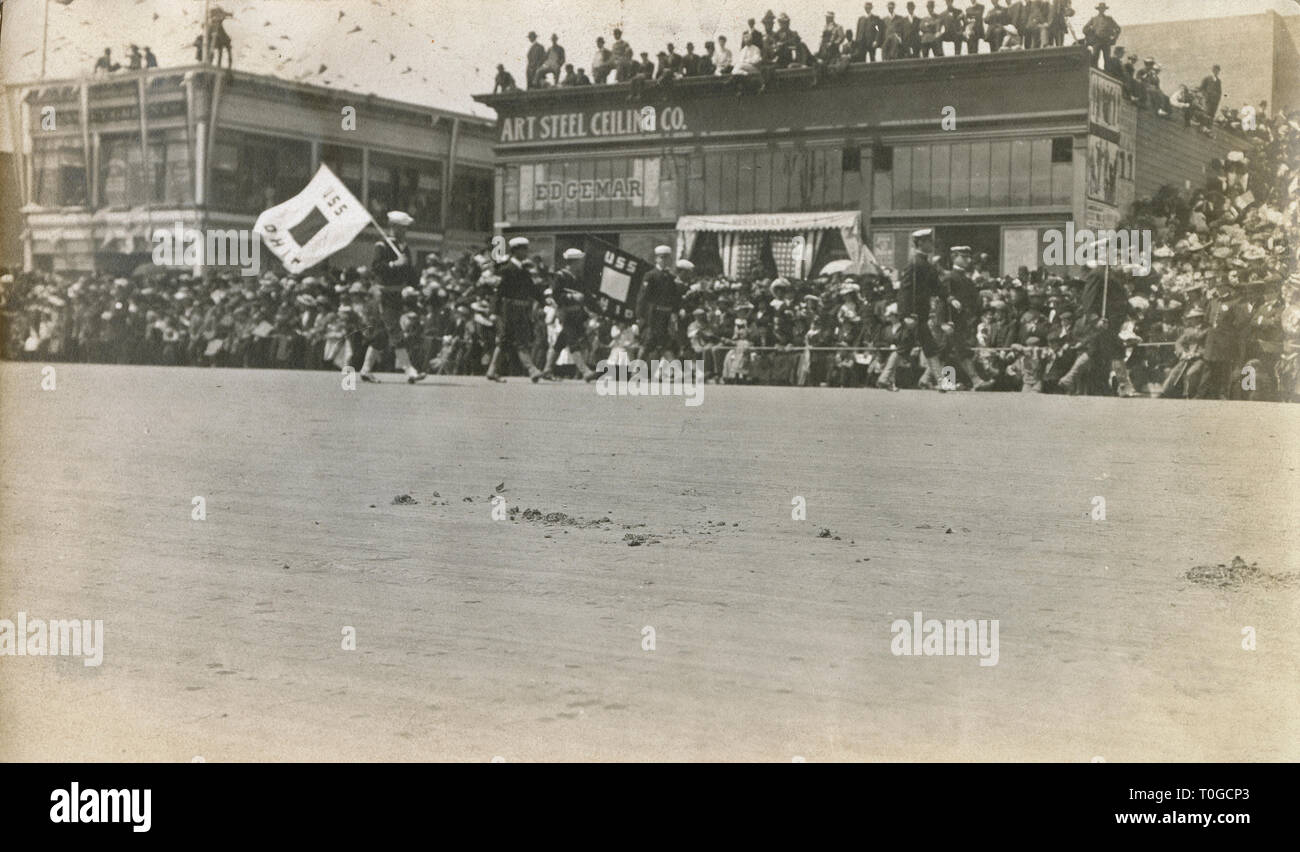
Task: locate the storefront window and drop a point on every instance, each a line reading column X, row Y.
column 471, row 199
column 251, row 172
column 408, row 184
column 1021, row 173
column 124, row 180
column 345, row 162
column 59, row 173
column 972, row 175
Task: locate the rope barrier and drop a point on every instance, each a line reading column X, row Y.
column 796, row 349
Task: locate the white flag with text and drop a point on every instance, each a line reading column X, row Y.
column 314, row 224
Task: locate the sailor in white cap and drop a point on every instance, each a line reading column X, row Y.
column 658, row 302
column 567, row 293
column 515, row 299
column 962, row 310
column 395, row 270
column 919, row 284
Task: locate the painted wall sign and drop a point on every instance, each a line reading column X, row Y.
column 597, row 124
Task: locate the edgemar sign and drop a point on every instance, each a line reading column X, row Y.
column 596, row 124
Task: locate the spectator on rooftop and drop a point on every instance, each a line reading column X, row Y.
column 1100, row 34
column 536, row 56
column 105, row 63
column 622, row 57
column 554, row 59
column 723, row 60
column 505, row 81
column 832, row 36
column 690, row 61
column 708, row 60
column 931, row 31
column 603, row 62
column 1211, row 89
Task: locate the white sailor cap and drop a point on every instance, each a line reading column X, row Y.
column 923, row 233
column 661, row 250
column 960, row 250
column 573, row 254
column 516, row 242
column 397, row 217
column 685, row 264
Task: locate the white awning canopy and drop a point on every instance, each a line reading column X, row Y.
column 737, row 235
column 733, row 223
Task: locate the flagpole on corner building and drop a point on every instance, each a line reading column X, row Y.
column 45, row 37
column 206, row 29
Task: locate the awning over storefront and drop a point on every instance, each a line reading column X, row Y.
column 741, row 238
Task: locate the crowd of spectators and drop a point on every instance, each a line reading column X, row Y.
column 1217, row 317
column 898, row 32
column 938, row 31
column 139, row 60
column 136, row 60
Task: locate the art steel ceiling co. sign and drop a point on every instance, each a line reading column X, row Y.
column 593, row 124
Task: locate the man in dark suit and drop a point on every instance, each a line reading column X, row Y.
column 536, row 56
column 1038, row 21
column 932, row 31
column 868, row 36
column 996, row 21
column 516, row 296
column 1060, row 22
column 953, row 26
column 973, row 26
column 912, row 33
column 962, row 308
column 1100, row 34
column 1212, row 93
column 919, row 284
column 894, row 43
column 1018, row 16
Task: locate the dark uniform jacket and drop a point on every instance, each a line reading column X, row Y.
column 953, row 24
column 392, row 278
column 567, row 293
column 919, row 283
column 658, row 290
column 959, row 286
column 516, row 283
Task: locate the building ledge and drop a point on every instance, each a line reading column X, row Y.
column 1005, row 62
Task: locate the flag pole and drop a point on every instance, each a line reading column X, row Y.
column 1105, row 290
column 207, row 15
column 392, row 245
column 45, row 37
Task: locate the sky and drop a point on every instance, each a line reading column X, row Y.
column 432, row 52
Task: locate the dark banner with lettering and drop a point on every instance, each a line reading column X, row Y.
column 612, row 278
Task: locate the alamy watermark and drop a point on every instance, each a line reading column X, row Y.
column 189, row 247
column 935, row 638
column 1102, row 247
column 94, row 805
column 658, row 378
column 37, row 637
